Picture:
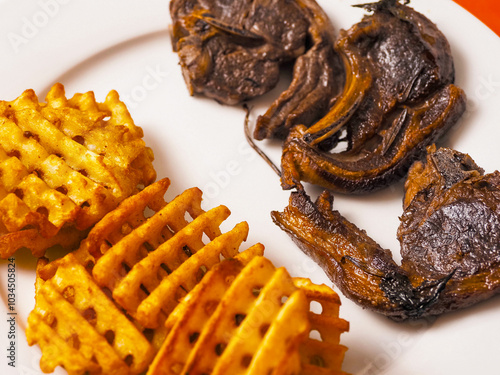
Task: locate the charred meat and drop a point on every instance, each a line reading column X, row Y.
column 398, row 98
column 449, row 235
column 232, row 50
column 318, row 78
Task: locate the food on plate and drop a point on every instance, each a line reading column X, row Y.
column 318, row 77
column 399, row 97
column 63, row 165
column 142, row 258
column 232, row 51
column 252, row 319
column 451, row 226
column 449, row 235
column 157, row 282
column 148, row 265
column 79, row 328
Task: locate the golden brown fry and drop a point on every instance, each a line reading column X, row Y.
column 184, row 278
column 100, row 326
column 153, row 266
column 187, row 321
column 262, row 341
column 167, row 292
column 119, row 222
column 252, row 319
column 73, row 316
column 325, row 353
column 243, row 258
column 65, row 163
column 67, row 238
column 120, row 257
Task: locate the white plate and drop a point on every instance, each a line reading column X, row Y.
column 124, row 45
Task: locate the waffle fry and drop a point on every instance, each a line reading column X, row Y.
column 120, row 222
column 164, row 290
column 65, row 163
column 260, row 291
column 323, row 355
column 149, row 267
column 90, row 324
column 67, row 238
column 212, row 278
column 79, row 328
column 251, row 318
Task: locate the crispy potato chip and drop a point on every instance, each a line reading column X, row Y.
column 65, row 163
column 77, row 318
column 278, row 352
column 243, row 258
column 79, row 328
column 154, row 265
column 252, row 319
column 324, row 354
column 165, row 296
column 254, row 347
column 192, row 314
column 120, row 222
column 158, row 287
column 67, row 238
column 150, row 263
column 120, row 257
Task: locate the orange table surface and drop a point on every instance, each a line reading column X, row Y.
column 488, row 11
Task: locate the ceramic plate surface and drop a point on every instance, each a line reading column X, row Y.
column 124, row 45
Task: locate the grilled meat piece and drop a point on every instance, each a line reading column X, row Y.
column 232, row 50
column 399, row 97
column 451, row 218
column 318, row 78
column 449, row 235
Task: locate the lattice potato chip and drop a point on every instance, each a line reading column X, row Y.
column 65, row 164
column 158, row 287
column 323, row 354
column 252, row 319
column 79, row 328
column 88, row 302
column 150, row 265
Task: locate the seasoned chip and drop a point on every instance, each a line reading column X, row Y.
column 78, row 327
column 257, row 296
column 191, row 314
column 323, row 354
column 230, row 269
column 120, row 222
column 67, row 238
column 158, row 287
column 65, row 163
column 252, row 319
column 87, row 316
column 150, row 265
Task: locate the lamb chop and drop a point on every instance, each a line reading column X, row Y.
column 449, row 235
column 399, row 97
column 233, row 51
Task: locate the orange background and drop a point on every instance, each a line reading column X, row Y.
column 488, row 11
